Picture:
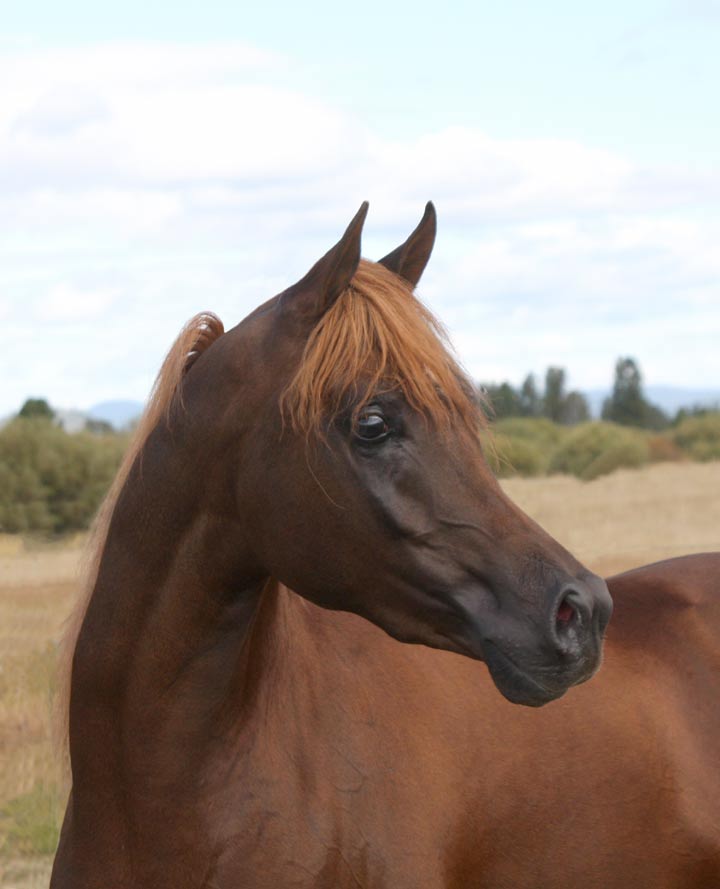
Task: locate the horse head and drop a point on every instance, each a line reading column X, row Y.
column 349, row 441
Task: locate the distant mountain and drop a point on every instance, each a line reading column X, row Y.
column 672, row 399
column 118, row 413
column 669, row 398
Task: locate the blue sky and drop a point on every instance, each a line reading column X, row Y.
column 157, row 159
column 637, row 77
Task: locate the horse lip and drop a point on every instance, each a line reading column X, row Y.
column 515, row 683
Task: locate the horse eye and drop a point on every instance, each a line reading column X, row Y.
column 371, row 426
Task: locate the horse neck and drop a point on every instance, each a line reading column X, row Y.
column 174, row 638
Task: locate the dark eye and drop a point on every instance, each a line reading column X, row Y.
column 371, row 426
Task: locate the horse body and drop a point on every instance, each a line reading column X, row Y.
column 351, row 760
column 226, row 732
column 435, row 781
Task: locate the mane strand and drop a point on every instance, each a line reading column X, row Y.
column 196, row 336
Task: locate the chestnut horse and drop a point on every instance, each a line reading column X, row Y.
column 306, row 493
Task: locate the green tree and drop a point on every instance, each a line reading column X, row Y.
column 36, row 408
column 554, row 394
column 556, row 404
column 627, row 404
column 503, row 399
column 52, row 481
column 99, row 427
column 530, row 401
column 575, row 409
column 695, row 410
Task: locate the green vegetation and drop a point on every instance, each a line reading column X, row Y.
column 36, row 409
column 540, row 432
column 50, row 481
column 595, row 449
column 627, row 405
column 533, row 447
column 515, row 456
column 551, row 432
column 555, row 402
column 699, row 436
column 523, row 445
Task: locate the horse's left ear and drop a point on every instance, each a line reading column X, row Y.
column 409, row 259
column 329, row 277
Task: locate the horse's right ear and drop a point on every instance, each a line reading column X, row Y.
column 311, row 297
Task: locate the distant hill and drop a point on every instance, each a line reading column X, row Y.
column 118, row 413
column 669, row 398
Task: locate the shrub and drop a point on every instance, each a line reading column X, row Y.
column 629, row 455
column 539, row 431
column 524, row 445
column 662, row 448
column 595, row 449
column 699, row 437
column 515, row 456
column 51, row 481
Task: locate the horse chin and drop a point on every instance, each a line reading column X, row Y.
column 518, row 686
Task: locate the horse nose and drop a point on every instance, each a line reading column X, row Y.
column 580, row 616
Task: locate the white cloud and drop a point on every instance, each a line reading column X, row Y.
column 64, row 302
column 161, row 115
column 141, row 183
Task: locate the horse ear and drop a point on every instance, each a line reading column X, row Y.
column 409, row 259
column 330, row 276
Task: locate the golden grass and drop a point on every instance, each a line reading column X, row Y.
column 619, row 521
column 37, row 586
column 631, row 517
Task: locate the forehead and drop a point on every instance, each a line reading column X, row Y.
column 378, row 338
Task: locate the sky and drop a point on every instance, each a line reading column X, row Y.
column 158, row 159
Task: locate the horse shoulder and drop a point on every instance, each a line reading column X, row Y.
column 671, row 595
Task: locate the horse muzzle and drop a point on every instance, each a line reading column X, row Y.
column 536, row 668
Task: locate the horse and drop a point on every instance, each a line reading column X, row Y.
column 319, row 646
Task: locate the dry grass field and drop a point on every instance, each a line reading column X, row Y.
column 617, row 522
column 629, row 518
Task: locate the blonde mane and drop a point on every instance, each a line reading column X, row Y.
column 195, row 337
column 378, row 337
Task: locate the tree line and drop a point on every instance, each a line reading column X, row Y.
column 554, row 403
column 627, row 404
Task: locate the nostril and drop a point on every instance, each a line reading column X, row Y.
column 570, row 621
column 575, row 629
column 573, row 608
column 565, row 614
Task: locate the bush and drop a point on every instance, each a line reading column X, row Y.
column 515, row 456
column 524, row 445
column 699, row 437
column 51, row 481
column 539, row 431
column 662, row 448
column 595, row 449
